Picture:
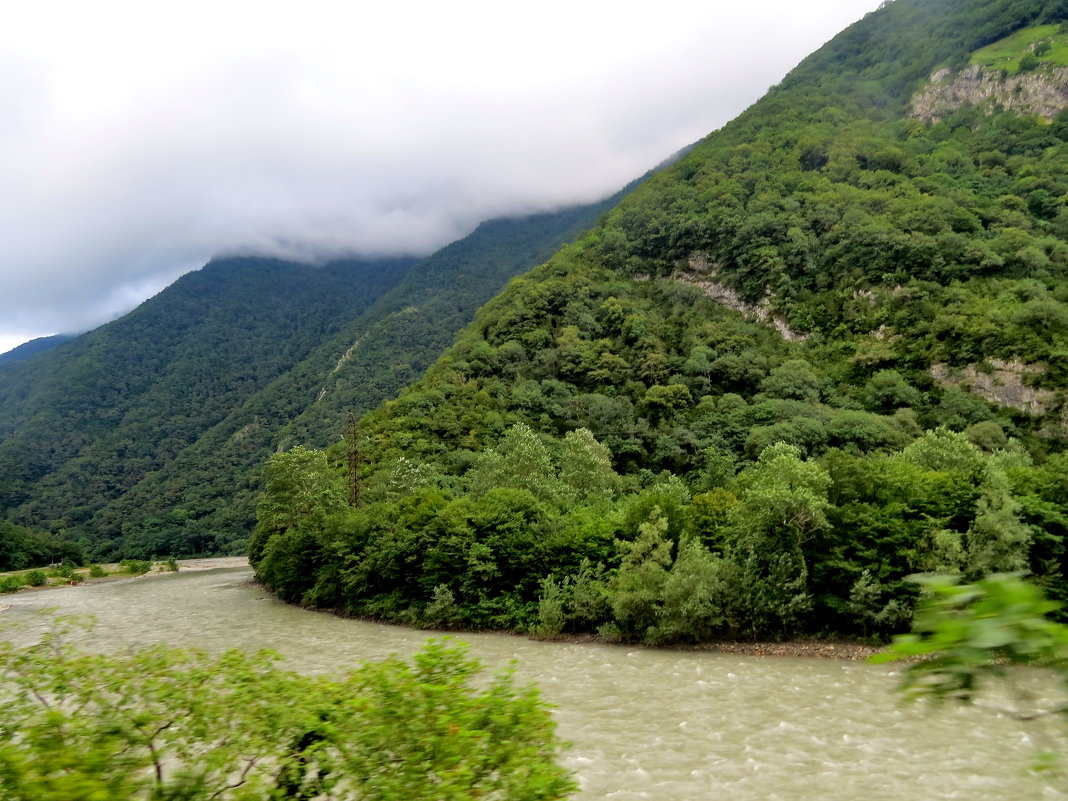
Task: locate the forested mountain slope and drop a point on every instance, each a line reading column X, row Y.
column 86, row 420
column 33, row 347
column 145, row 437
column 203, row 500
column 826, row 350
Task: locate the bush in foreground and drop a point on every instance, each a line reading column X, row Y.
column 11, row 584
column 170, row 723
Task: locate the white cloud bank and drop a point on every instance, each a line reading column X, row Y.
column 137, row 139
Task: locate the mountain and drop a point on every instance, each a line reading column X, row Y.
column 145, row 436
column 87, row 419
column 825, row 350
column 34, row 346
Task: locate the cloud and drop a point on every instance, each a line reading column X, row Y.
column 139, row 139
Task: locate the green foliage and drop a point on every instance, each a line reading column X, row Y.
column 442, row 611
column 168, row 723
column 64, row 570
column 638, row 586
column 586, row 467
column 36, row 578
column 782, row 495
column 1040, row 44
column 551, row 613
column 22, row 547
column 11, row 584
column 964, row 635
column 944, row 450
column 299, row 486
column 520, row 461
column 701, row 598
column 135, row 567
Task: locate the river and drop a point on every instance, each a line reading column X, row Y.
column 644, row 724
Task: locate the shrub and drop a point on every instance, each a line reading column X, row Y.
column 1029, row 63
column 96, row 571
column 36, row 578
column 551, row 615
column 135, row 567
column 64, row 570
column 443, row 612
column 10, row 584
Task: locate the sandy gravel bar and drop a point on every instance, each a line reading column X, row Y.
column 214, row 563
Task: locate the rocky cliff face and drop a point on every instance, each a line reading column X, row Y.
column 1043, row 92
column 1001, row 382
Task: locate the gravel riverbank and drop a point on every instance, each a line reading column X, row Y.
column 818, row 649
column 114, row 573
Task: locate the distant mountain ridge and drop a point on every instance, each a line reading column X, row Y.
column 33, row 347
column 84, row 421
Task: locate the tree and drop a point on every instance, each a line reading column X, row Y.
column 699, row 597
column 662, row 401
column 636, row 590
column 586, row 466
column 945, row 450
column 164, row 723
column 782, row 493
column 520, row 461
column 300, row 489
column 793, row 379
column 997, row 540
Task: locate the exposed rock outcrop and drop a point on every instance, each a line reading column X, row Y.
column 1002, row 384
column 1043, row 92
column 703, row 275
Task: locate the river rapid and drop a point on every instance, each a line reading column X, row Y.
column 644, row 724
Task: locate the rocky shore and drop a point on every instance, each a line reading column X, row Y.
column 808, row 649
column 818, row 649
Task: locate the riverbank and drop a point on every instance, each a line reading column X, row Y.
column 803, row 648
column 114, row 572
column 811, row 649
column 212, row 563
column 806, row 649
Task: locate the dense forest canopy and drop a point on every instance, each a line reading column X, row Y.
column 824, row 351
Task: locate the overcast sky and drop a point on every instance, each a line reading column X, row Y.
column 138, row 138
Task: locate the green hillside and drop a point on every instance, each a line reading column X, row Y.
column 145, row 437
column 1031, row 47
column 826, row 350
